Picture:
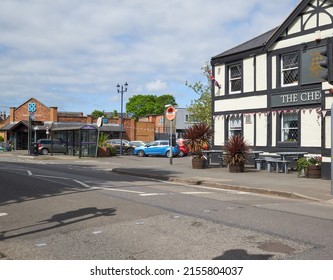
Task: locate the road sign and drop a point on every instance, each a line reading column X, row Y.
column 170, row 113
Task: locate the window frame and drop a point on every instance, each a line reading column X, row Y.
column 231, row 79
column 283, row 128
column 232, row 129
column 283, row 70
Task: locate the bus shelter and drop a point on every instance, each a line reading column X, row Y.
column 80, row 140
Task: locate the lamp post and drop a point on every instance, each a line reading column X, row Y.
column 121, row 89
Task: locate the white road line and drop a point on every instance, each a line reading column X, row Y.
column 52, row 177
column 29, row 173
column 152, row 194
column 3, row 214
column 121, row 190
column 196, row 193
column 82, row 184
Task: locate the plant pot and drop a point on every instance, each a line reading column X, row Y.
column 314, row 172
column 198, row 163
column 103, row 152
column 236, row 168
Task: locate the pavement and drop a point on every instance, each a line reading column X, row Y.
column 180, row 170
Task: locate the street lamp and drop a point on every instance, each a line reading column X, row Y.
column 121, row 89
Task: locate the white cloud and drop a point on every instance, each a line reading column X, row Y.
column 156, row 86
column 73, row 53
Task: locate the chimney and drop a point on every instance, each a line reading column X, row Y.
column 12, row 114
column 54, row 114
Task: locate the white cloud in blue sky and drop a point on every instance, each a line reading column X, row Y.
column 72, row 53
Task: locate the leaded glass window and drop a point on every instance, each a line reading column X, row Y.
column 235, row 78
column 289, row 69
column 289, row 125
column 235, row 125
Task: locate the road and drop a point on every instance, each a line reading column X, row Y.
column 74, row 211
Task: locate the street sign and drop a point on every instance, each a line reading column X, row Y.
column 170, row 113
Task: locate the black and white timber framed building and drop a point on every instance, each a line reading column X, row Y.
column 272, row 90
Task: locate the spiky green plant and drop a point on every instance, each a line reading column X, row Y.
column 103, row 137
column 237, row 150
column 198, row 137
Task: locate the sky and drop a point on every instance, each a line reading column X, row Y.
column 71, row 54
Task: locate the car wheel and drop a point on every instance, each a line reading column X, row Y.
column 130, row 151
column 141, row 153
column 168, row 154
column 45, row 151
column 181, row 154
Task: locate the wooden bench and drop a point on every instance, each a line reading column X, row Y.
column 277, row 164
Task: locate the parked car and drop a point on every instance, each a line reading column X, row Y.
column 156, row 148
column 127, row 147
column 182, row 147
column 44, row 146
column 137, row 143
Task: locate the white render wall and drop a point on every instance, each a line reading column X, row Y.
column 220, row 77
column 261, row 130
column 248, row 83
column 249, row 129
column 243, row 103
column 219, row 131
column 261, row 75
column 310, row 129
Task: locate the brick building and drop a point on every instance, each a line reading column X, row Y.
column 34, row 120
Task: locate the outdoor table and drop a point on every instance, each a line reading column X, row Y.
column 256, row 155
column 285, row 154
column 210, row 153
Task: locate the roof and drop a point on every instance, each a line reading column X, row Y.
column 255, row 43
column 267, row 39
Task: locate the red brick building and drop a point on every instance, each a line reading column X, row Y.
column 35, row 120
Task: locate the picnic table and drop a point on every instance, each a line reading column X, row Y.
column 284, row 155
column 210, row 154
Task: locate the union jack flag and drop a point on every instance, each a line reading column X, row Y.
column 214, row 82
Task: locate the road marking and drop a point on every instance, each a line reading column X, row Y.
column 121, row 190
column 3, row 214
column 82, row 184
column 53, row 177
column 196, row 193
column 29, row 173
column 152, row 194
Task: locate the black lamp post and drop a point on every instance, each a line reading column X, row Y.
column 121, row 89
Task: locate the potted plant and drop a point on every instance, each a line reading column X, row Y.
column 198, row 137
column 103, row 146
column 236, row 153
column 309, row 167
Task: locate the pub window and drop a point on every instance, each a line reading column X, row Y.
column 235, row 125
column 235, row 79
column 289, row 69
column 289, row 127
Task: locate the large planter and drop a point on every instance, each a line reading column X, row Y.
column 103, row 152
column 198, row 163
column 314, row 171
column 236, row 168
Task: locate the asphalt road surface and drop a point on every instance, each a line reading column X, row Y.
column 73, row 211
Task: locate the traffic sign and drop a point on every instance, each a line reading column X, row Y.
column 170, row 113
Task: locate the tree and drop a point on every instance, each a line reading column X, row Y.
column 96, row 114
column 201, row 108
column 142, row 105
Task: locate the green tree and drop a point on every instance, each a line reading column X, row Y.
column 201, row 108
column 142, row 105
column 96, row 114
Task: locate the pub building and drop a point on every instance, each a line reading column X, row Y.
column 272, row 89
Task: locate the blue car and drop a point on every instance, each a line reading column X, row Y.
column 156, row 148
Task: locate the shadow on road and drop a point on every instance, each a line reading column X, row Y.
column 240, row 254
column 58, row 220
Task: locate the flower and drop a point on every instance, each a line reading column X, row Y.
column 315, row 160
